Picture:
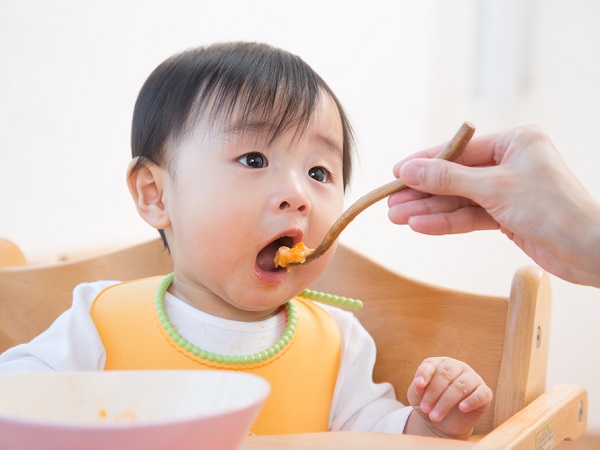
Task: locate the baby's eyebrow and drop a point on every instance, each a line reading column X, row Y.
column 260, row 130
column 248, row 126
column 328, row 143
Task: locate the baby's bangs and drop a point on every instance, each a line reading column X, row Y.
column 234, row 87
column 263, row 91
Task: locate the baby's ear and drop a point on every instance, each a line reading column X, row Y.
column 146, row 185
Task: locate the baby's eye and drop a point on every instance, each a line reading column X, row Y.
column 254, row 160
column 319, row 174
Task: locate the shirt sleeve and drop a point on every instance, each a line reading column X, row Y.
column 359, row 404
column 70, row 343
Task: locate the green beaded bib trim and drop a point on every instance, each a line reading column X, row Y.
column 282, row 342
column 335, row 300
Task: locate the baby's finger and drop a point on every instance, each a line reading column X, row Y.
column 445, row 372
column 479, row 400
column 425, row 372
column 456, row 391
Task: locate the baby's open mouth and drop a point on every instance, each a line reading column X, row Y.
column 265, row 258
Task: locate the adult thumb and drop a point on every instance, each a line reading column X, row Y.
column 437, row 176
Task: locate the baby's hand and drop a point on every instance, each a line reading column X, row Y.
column 448, row 398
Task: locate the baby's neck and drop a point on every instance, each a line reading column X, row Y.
column 209, row 303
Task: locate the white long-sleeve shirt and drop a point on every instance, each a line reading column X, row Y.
column 72, row 343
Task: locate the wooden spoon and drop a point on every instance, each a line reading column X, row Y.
column 452, row 150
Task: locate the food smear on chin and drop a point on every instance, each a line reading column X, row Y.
column 295, row 255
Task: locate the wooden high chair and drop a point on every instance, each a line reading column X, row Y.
column 504, row 339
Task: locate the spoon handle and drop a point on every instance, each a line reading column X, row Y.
column 452, row 150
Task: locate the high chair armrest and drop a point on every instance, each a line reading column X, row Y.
column 558, row 414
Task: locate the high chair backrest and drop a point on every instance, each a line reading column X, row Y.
column 505, row 339
column 31, row 297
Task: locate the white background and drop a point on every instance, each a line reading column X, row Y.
column 408, row 74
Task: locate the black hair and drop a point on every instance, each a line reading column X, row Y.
column 211, row 82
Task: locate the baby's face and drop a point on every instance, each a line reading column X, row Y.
column 233, row 200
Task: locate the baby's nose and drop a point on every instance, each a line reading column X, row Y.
column 286, row 205
column 293, row 197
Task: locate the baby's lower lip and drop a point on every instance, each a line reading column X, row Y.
column 270, row 277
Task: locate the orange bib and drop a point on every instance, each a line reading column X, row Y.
column 302, row 375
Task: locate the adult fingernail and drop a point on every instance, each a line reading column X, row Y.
column 412, row 173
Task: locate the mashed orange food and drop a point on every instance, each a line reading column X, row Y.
column 286, row 256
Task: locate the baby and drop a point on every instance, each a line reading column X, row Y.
column 240, row 149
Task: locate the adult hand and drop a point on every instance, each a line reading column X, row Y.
column 515, row 181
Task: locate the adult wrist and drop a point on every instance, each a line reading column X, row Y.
column 588, row 247
column 593, row 248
